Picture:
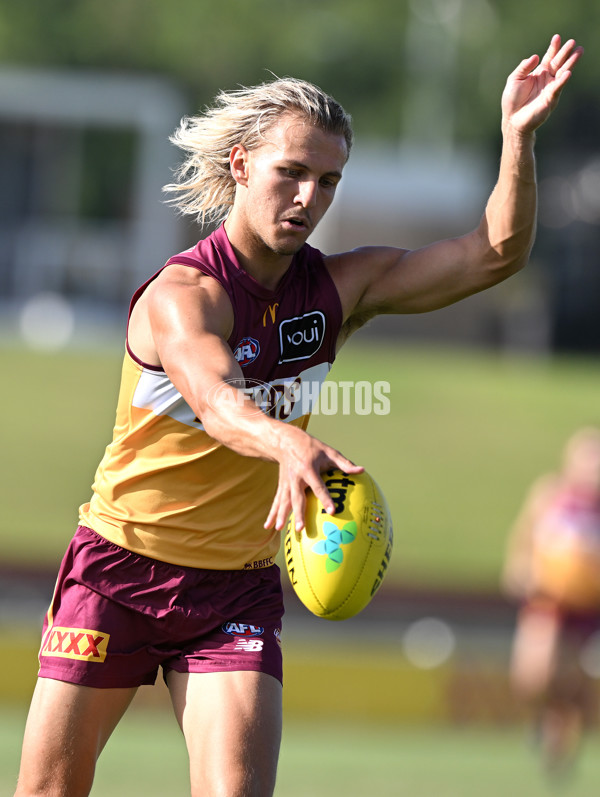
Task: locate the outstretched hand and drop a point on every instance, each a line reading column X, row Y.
column 302, row 459
column 533, row 89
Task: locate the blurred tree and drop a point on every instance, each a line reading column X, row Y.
column 393, row 65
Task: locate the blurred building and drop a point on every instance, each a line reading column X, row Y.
column 83, row 157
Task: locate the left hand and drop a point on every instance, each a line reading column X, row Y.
column 533, row 89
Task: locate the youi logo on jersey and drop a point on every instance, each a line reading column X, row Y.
column 301, row 337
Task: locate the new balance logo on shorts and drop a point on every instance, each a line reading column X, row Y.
column 249, row 645
column 75, row 643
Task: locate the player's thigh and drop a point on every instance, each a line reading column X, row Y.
column 67, row 727
column 535, row 650
column 232, row 725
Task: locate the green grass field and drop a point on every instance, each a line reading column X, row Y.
column 467, row 433
column 146, row 756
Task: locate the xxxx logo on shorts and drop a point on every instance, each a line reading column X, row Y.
column 75, row 643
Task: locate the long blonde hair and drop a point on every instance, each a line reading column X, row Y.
column 203, row 185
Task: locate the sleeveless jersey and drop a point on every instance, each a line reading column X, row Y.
column 165, row 488
column 566, row 551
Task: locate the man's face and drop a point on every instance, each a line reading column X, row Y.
column 291, row 181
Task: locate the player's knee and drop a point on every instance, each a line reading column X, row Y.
column 54, row 782
column 50, row 790
column 230, row 790
column 236, row 784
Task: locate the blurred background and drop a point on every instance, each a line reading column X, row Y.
column 483, row 394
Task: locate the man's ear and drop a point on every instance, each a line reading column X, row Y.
column 238, row 164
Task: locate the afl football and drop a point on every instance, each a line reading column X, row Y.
column 336, row 563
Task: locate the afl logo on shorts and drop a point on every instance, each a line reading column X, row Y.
column 247, row 351
column 301, row 337
column 242, row 629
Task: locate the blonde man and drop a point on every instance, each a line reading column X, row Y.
column 172, row 565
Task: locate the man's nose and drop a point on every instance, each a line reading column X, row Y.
column 307, row 193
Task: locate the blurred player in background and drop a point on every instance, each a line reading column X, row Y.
column 553, row 567
column 173, row 563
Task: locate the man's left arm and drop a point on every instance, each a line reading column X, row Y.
column 374, row 280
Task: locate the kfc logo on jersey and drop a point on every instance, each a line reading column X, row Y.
column 242, row 629
column 301, row 337
column 247, row 351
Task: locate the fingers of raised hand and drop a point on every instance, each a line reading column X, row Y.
column 525, row 68
column 560, row 59
column 553, row 48
column 572, row 57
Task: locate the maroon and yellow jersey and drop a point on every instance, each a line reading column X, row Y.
column 566, row 551
column 165, row 488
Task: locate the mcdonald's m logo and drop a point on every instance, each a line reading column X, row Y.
column 272, row 311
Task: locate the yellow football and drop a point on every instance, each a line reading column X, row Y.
column 337, row 562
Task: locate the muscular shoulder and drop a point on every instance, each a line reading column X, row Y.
column 184, row 290
column 179, row 275
column 180, row 301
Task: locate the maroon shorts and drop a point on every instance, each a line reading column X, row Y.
column 577, row 625
column 116, row 616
